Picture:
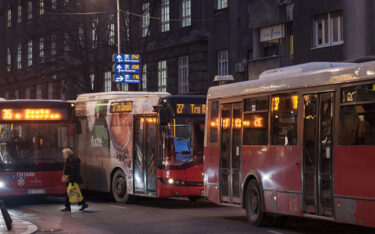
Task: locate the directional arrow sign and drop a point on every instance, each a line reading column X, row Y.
column 126, row 58
column 127, row 78
column 126, row 68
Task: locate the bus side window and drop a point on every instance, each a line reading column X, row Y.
column 255, row 121
column 284, row 119
column 214, row 121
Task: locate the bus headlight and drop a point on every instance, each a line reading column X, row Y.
column 170, row 181
column 2, row 184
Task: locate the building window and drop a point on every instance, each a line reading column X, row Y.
column 50, row 90
column 17, row 94
column 183, row 74
column 39, row 91
column 144, row 77
column 221, row 4
column 145, row 19
column 62, row 90
column 222, row 62
column 19, row 16
column 328, row 29
column 94, row 34
column 66, row 44
column 112, row 34
column 41, row 50
column 6, row 95
column 66, row 2
column 162, row 76
column 80, row 34
column 53, row 4
column 92, row 81
column 124, row 87
column 53, row 46
column 127, row 26
column 30, row 53
column 9, row 18
column 27, row 93
column 29, row 10
column 164, row 15
column 41, row 7
column 19, row 56
column 9, row 60
column 186, row 13
column 108, row 81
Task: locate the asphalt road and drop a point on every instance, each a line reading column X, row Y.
column 145, row 215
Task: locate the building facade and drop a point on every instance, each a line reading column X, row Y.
column 61, row 48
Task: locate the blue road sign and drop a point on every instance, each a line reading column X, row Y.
column 126, row 68
column 126, row 58
column 127, row 78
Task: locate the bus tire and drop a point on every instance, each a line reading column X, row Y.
column 254, row 204
column 119, row 188
column 194, row 199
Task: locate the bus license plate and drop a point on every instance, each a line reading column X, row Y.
column 35, row 191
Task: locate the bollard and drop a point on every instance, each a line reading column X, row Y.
column 8, row 220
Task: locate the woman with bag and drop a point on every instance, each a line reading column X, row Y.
column 71, row 178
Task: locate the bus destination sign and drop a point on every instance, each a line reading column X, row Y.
column 190, row 109
column 120, row 107
column 31, row 114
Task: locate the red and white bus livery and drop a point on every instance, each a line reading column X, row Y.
column 298, row 141
column 32, row 135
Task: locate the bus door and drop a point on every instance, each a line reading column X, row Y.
column 230, row 152
column 317, row 154
column 145, row 151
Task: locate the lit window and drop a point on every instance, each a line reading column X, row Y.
column 41, row 7
column 53, row 4
column 222, row 62
column 111, row 32
column 145, row 19
column 19, row 56
column 164, row 15
column 30, row 53
column 9, row 60
column 221, row 4
column 328, row 29
column 183, row 74
column 19, row 16
column 144, row 77
column 41, row 50
column 9, row 18
column 186, row 13
column 108, row 81
column 29, row 9
column 162, row 76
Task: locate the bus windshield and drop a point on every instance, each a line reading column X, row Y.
column 33, row 142
column 182, row 142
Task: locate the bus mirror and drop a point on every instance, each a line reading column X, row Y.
column 78, row 127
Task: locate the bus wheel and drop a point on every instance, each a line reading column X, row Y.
column 194, row 199
column 254, row 204
column 119, row 189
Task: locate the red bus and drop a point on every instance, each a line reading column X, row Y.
column 142, row 144
column 32, row 135
column 299, row 141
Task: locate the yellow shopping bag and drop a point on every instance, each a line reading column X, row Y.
column 74, row 193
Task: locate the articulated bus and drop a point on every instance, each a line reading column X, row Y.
column 298, row 141
column 32, row 136
column 142, row 144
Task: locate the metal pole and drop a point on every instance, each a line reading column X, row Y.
column 118, row 36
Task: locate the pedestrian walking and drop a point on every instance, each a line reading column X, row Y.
column 72, row 174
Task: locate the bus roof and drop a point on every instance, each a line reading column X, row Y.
column 285, row 81
column 118, row 95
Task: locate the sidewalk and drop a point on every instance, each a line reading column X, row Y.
column 19, row 227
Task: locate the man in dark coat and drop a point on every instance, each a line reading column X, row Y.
column 72, row 170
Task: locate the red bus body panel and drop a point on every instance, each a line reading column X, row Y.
column 30, row 183
column 211, row 173
column 192, row 174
